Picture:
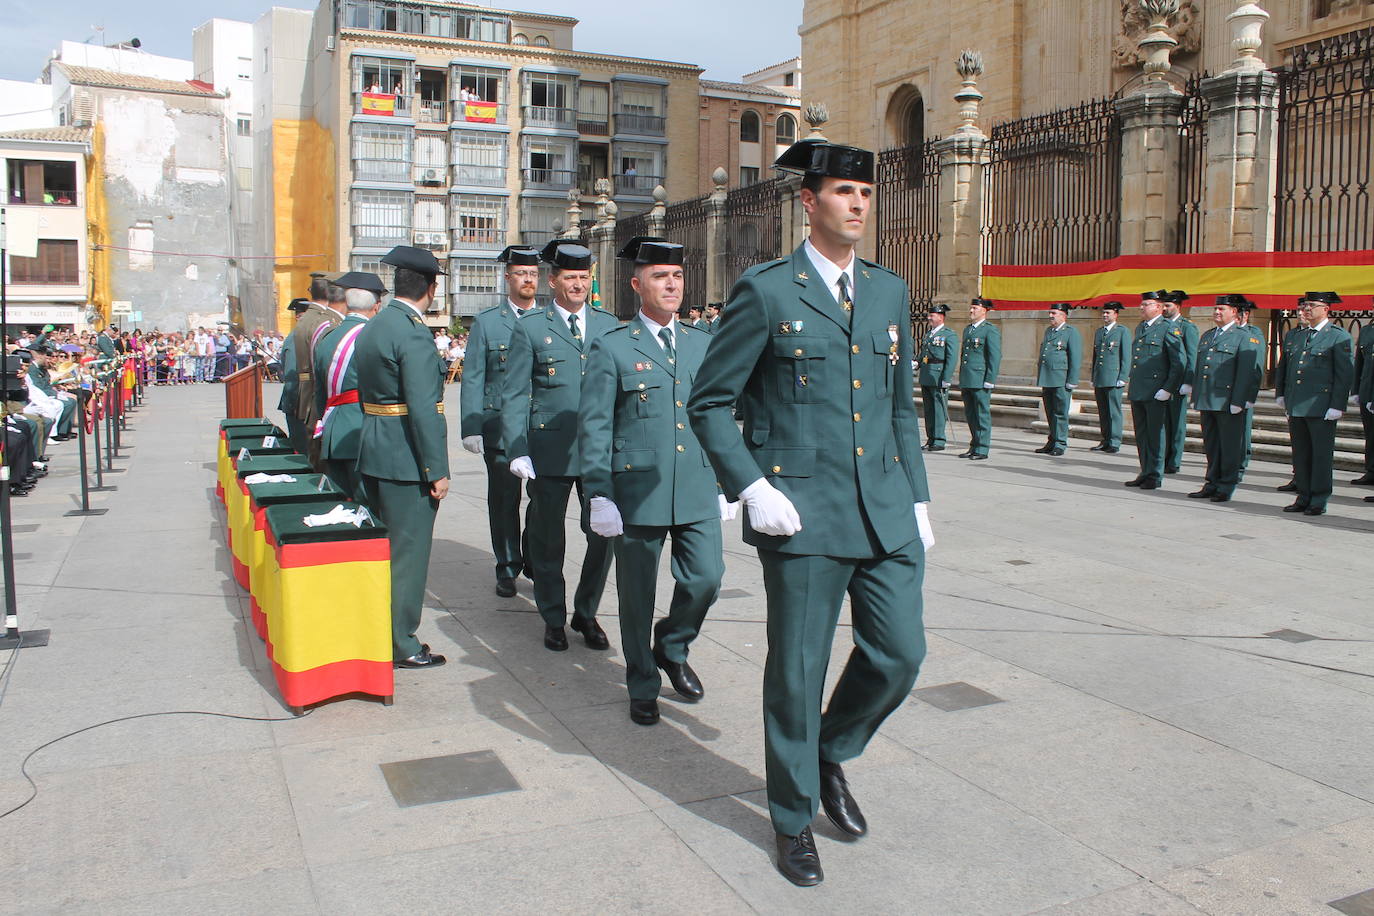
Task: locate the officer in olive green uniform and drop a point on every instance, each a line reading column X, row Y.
column 317, row 320
column 1290, row 341
column 817, row 350
column 484, row 378
column 939, row 349
column 1363, row 397
column 1312, row 383
column 647, row 477
column 40, row 378
column 1176, row 411
column 539, row 419
column 105, row 344
column 1156, row 374
column 1061, row 351
column 336, row 391
column 290, row 382
column 403, row 446
column 1226, row 379
column 1111, row 368
column 980, row 359
column 1254, row 339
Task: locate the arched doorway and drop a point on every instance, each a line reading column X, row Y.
column 906, row 117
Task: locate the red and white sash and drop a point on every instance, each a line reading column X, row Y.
column 338, row 368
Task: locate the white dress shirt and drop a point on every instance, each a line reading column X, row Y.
column 830, row 272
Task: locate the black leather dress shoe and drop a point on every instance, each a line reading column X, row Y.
column 644, row 712
column 966, row 454
column 798, row 860
column 1220, row 497
column 1149, row 483
column 838, row 803
column 1364, row 480
column 555, row 639
column 1134, row 483
column 1171, row 470
column 1055, row 452
column 1289, row 487
column 1369, row 499
column 423, row 659
column 1314, row 510
column 682, row 677
column 1296, row 507
column 1204, row 493
column 505, row 586
column 977, row 457
column 1099, row 447
column 1044, row 449
column 1110, row 449
column 937, row 448
column 592, row 634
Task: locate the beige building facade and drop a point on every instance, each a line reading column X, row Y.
column 746, row 125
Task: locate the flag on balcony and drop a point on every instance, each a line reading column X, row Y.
column 379, row 103
column 480, row 112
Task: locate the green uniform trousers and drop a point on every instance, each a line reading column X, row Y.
column 804, row 596
column 935, row 409
column 408, row 511
column 697, row 566
column 1056, row 401
column 503, row 515
column 548, row 545
column 1175, row 430
column 344, row 473
column 1314, row 449
column 1249, row 446
column 1109, row 416
column 1367, row 420
column 978, row 414
column 1223, row 439
column 1149, row 421
column 296, row 435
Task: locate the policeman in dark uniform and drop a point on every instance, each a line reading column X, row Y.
column 935, row 372
column 1254, row 339
column 1057, row 376
column 1110, row 370
column 1176, row 410
column 1156, row 374
column 290, row 381
column 980, row 360
column 337, row 402
column 1226, row 380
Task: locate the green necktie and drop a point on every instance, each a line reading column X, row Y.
column 572, row 326
column 846, row 302
column 666, row 336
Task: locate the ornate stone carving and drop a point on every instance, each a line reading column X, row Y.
column 1186, row 27
column 815, row 115
column 969, row 66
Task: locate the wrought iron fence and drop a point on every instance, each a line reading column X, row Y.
column 1326, row 145
column 619, row 273
column 909, row 222
column 1052, row 188
column 1192, row 167
column 753, row 228
column 684, row 223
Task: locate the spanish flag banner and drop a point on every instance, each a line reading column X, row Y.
column 379, row 103
column 480, row 112
column 1272, row 279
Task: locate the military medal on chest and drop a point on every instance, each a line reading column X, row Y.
column 892, row 350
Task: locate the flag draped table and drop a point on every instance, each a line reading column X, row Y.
column 237, row 512
column 305, row 488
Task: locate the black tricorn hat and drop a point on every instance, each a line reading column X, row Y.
column 361, row 279
column 1246, row 306
column 1060, row 307
column 1234, row 300
column 1111, row 304
column 985, row 303
column 694, row 308
column 420, row 260
column 1178, row 296
column 1327, row 298
column 827, row 160
column 522, row 255
column 568, row 254
column 651, row 249
column 299, row 305
column 1160, row 295
column 939, row 309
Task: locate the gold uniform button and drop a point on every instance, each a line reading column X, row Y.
column 797, row 352
column 854, row 349
column 641, row 386
column 627, row 467
column 682, row 426
column 584, row 356
column 858, row 417
column 679, row 403
column 677, row 381
column 896, row 457
column 858, row 384
column 682, row 448
column 777, row 469
column 859, row 451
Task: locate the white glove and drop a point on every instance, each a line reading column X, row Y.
column 1236, row 408
column 606, row 518
column 1355, row 400
column 987, row 384
column 1185, row 389
column 770, row 511
column 522, row 467
column 923, row 525
column 728, row 510
column 1072, row 387
column 944, row 384
column 1333, row 414
column 1369, row 407
column 473, row 444
column 1121, row 384
column 1279, row 401
column 1162, row 395
column 1249, row 405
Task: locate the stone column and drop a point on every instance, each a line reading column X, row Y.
column 715, row 238
column 601, row 240
column 963, row 154
column 658, row 212
column 574, row 222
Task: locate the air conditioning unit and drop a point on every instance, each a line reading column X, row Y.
column 431, row 177
column 329, row 43
column 431, row 239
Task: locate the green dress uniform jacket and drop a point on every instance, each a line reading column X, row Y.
column 338, row 442
column 1364, row 391
column 829, row 421
column 106, row 346
column 1111, row 367
column 290, row 392
column 305, row 338
column 938, row 352
column 402, row 449
column 1061, row 353
column 1254, row 339
column 980, row 360
column 1176, row 410
column 1314, row 375
column 1225, row 376
column 1156, row 364
column 480, row 399
column 638, row 451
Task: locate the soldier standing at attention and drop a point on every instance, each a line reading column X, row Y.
column 1226, row 381
column 938, row 352
column 818, row 353
column 539, row 420
column 1111, row 368
column 484, row 379
column 1254, row 338
column 313, row 324
column 980, row 359
column 694, row 319
column 290, row 381
column 1290, row 340
column 647, row 477
column 403, row 446
column 1156, row 373
column 713, row 316
column 1311, row 385
column 1362, row 397
column 1176, row 413
column 336, row 395
column 1057, row 376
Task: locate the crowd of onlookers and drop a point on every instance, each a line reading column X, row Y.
column 452, row 348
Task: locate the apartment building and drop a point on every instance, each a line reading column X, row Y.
column 745, row 126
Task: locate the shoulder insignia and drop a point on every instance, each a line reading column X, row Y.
column 803, row 276
column 878, row 267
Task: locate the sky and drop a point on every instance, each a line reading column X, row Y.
column 727, row 37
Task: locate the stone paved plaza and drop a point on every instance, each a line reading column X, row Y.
column 1132, row 704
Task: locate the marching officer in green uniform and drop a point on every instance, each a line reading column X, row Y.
column 312, row 324
column 1176, row 412
column 1254, row 338
column 290, row 381
column 1362, row 397
column 817, row 350
column 694, row 318
column 647, row 478
column 336, row 374
column 1226, row 380
column 1111, row 368
column 1061, row 351
column 403, row 446
column 1156, row 374
column 480, row 397
column 539, row 420
column 714, row 311
column 1312, row 383
column 980, row 359
column 939, row 350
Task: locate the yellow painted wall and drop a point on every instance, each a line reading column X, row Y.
column 303, row 204
column 97, row 232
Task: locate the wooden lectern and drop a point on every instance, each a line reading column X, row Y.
column 243, row 393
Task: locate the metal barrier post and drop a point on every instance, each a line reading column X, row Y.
column 85, row 484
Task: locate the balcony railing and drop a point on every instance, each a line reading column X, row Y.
column 637, row 184
column 430, row 176
column 484, row 176
column 475, row 111
column 536, row 238
column 471, row 237
column 397, row 170
column 380, row 236
column 586, row 184
column 546, row 116
column 641, row 124
column 548, row 179
column 593, row 125
column 432, row 111
column 471, row 303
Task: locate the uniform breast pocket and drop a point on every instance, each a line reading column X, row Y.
column 645, row 393
column 498, row 352
column 549, row 370
column 801, row 367
column 884, row 363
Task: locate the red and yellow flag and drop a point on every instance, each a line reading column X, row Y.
column 1272, row 279
column 480, row 112
column 379, row 103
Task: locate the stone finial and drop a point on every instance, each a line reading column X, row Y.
column 720, row 178
column 660, row 195
column 574, row 229
column 1156, row 44
column 970, row 67
column 602, row 186
column 815, row 115
column 1247, row 21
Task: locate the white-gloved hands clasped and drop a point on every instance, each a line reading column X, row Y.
column 770, row 511
column 473, row 444
column 923, row 525
column 944, row 384
column 1185, row 389
column 728, row 510
column 1333, row 414
column 987, row 384
column 522, row 467
column 1236, row 408
column 606, row 518
column 1072, row 387
column 1162, row 395
column 1121, row 384
column 1355, row 400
